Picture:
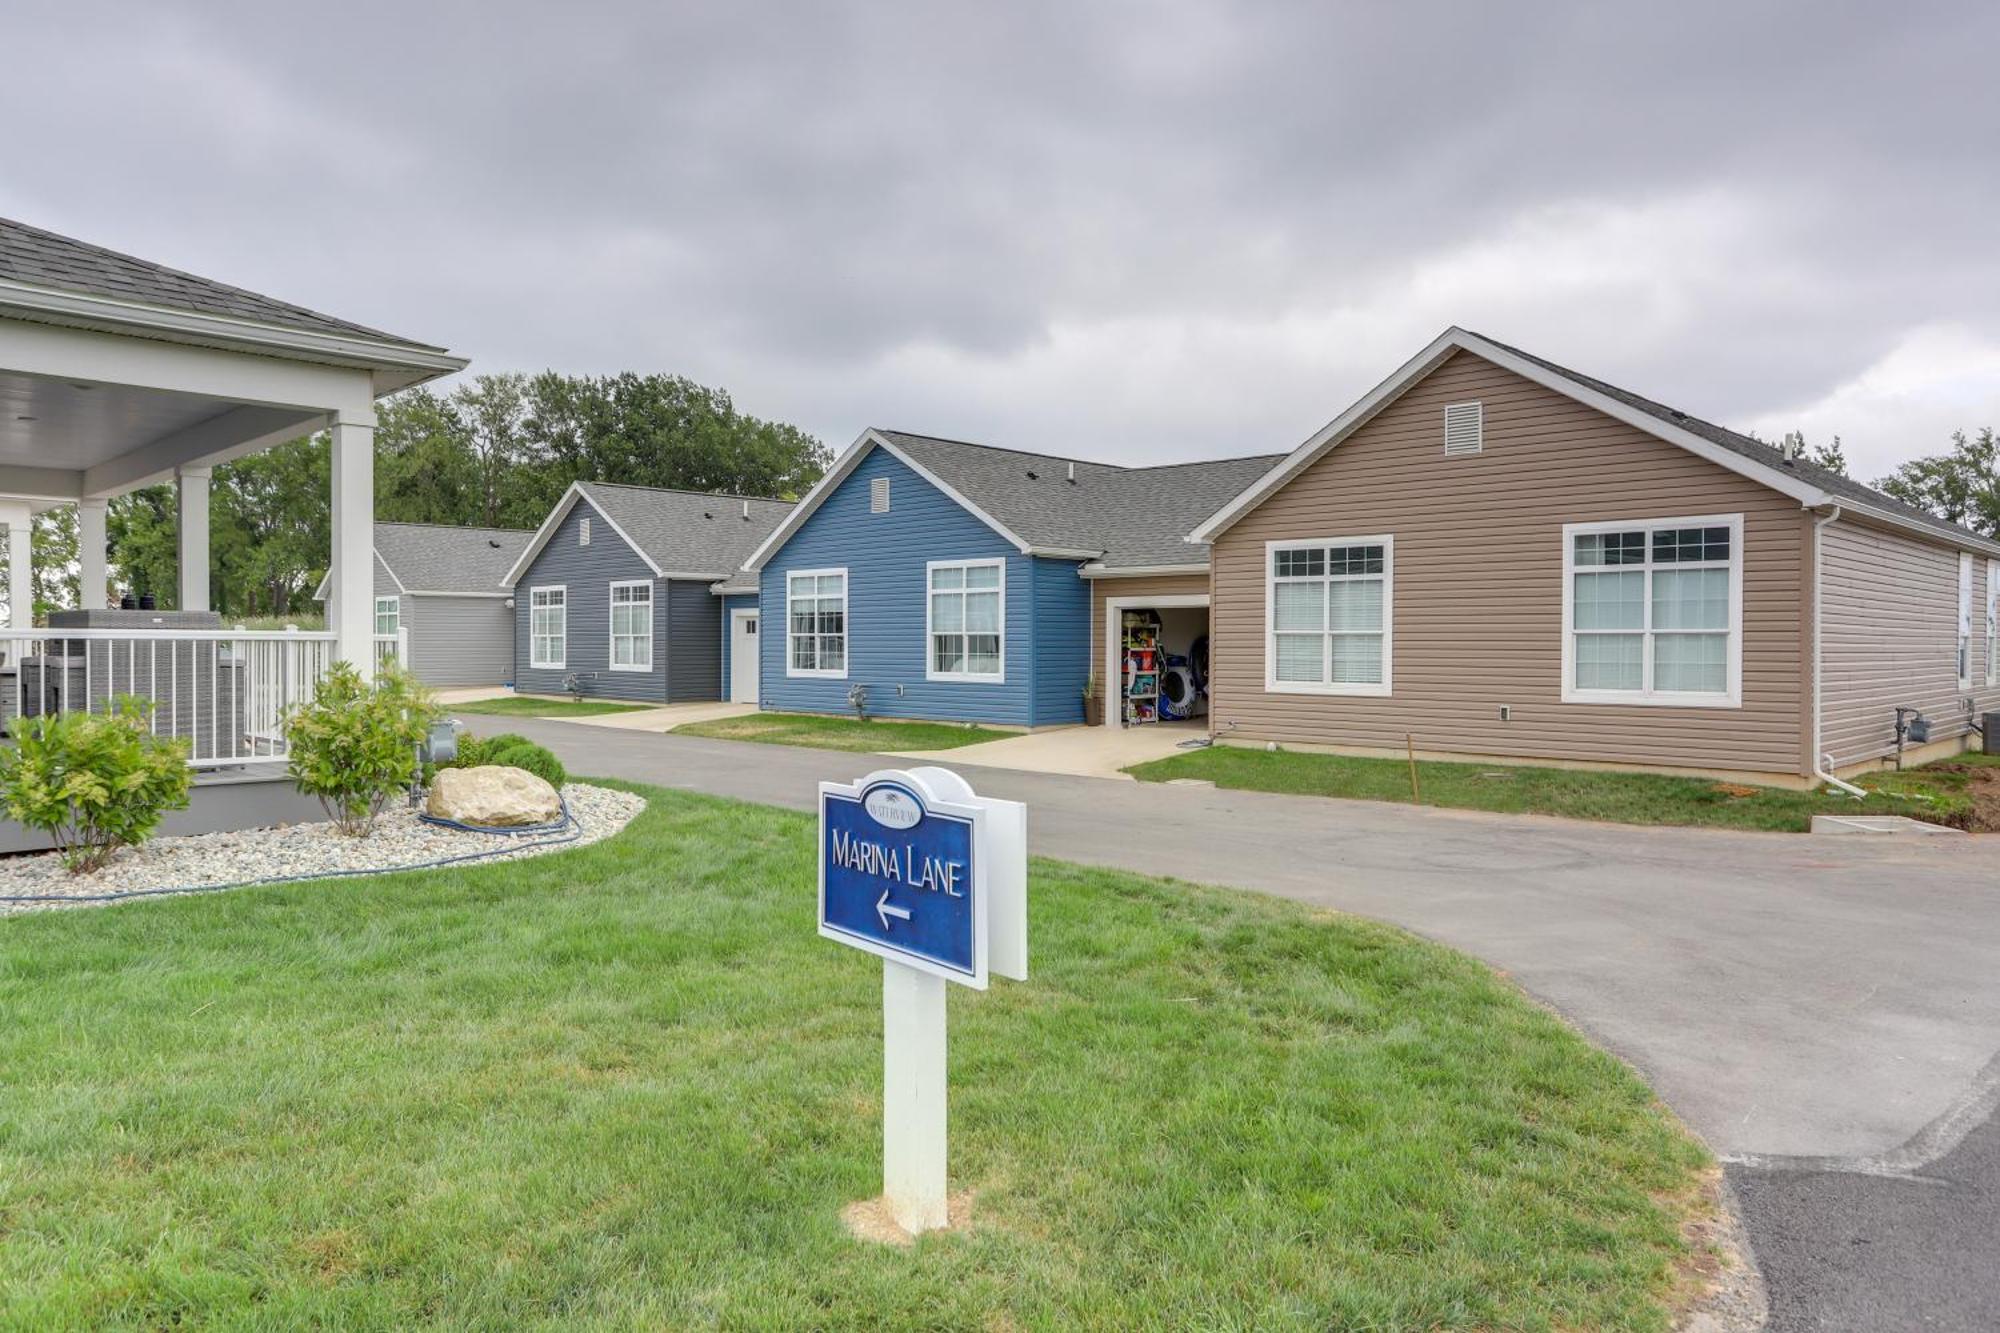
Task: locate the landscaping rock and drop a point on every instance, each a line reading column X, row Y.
column 491, row 796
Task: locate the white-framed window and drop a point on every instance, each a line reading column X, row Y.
column 632, row 625
column 1653, row 611
column 1328, row 606
column 965, row 621
column 816, row 623
column 1965, row 620
column 388, row 615
column 548, row 627
column 1993, row 622
column 583, row 531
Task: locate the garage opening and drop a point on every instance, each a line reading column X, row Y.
column 1156, row 663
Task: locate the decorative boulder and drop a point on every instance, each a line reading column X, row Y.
column 493, row 797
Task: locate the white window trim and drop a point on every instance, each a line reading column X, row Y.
column 1992, row 621
column 1378, row 690
column 611, row 633
column 930, row 656
column 846, row 619
column 1649, row 698
column 395, row 609
column 537, row 664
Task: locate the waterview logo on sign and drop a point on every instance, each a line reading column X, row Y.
column 892, row 808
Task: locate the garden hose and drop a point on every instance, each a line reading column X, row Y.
column 568, row 821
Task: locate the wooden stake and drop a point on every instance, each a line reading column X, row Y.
column 1410, row 748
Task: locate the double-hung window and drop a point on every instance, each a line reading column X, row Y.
column 388, row 616
column 548, row 627
column 816, row 622
column 632, row 626
column 1328, row 605
column 966, row 620
column 1653, row 611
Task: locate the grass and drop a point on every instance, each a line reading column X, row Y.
column 626, row 1086
column 841, row 733
column 521, row 706
column 1936, row 793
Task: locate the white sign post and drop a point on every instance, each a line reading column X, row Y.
column 918, row 869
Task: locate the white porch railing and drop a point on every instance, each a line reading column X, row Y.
column 392, row 648
column 225, row 690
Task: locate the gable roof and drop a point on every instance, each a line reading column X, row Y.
column 679, row 534
column 42, row 258
column 1811, row 485
column 442, row 558
column 1051, row 505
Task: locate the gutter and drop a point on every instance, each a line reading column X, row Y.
column 1821, row 768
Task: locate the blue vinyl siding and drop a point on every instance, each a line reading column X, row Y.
column 1062, row 641
column 587, row 572
column 736, row 601
column 1047, row 609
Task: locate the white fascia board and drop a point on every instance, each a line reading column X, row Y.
column 1456, row 340
column 454, row 592
column 1957, row 541
column 269, row 338
column 873, row 439
column 1098, row 571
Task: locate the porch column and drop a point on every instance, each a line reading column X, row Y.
column 191, row 490
column 350, row 604
column 91, row 540
column 20, row 565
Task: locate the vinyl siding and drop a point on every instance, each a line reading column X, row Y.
column 460, row 640
column 1478, row 585
column 1061, row 627
column 741, row 601
column 885, row 556
column 694, row 632
column 588, row 573
column 1156, row 585
column 1890, row 636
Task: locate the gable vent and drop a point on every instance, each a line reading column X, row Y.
column 878, row 496
column 1464, row 429
column 583, row 531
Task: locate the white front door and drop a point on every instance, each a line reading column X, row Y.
column 743, row 657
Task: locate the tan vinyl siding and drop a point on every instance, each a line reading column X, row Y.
column 1890, row 636
column 1478, row 585
column 1151, row 585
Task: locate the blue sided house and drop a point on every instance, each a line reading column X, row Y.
column 622, row 593
column 934, row 578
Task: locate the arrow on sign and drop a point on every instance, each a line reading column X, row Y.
column 884, row 909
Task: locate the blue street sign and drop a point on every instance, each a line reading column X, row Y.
column 900, row 875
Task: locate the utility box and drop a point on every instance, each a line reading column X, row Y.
column 1989, row 732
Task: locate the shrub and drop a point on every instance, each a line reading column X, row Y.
column 94, row 782
column 355, row 745
column 534, row 758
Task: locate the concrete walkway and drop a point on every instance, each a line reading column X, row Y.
column 1087, row 752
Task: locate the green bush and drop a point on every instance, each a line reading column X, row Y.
column 94, row 782
column 355, row 745
column 534, row 758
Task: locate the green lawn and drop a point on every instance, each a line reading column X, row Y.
column 626, row 1086
column 1938, row 793
column 841, row 733
column 517, row 706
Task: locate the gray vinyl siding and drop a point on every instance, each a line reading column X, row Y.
column 587, row 573
column 1889, row 637
column 694, row 642
column 460, row 640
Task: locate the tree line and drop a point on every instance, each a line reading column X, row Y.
column 494, row 451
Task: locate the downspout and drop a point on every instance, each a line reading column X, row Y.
column 1821, row 768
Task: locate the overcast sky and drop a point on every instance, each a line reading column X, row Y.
column 1137, row 232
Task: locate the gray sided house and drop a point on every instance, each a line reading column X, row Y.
column 622, row 593
column 437, row 589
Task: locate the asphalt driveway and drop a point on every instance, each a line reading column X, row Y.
column 1818, row 1009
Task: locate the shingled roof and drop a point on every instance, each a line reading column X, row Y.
column 434, row 557
column 686, row 534
column 47, row 259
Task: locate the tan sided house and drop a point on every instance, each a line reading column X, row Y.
column 1491, row 555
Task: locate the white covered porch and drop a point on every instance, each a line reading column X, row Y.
column 102, row 393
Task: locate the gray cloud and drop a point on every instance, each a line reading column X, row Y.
column 1134, row 231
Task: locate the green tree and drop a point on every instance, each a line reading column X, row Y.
column 1829, row 456
column 425, row 468
column 1962, row 486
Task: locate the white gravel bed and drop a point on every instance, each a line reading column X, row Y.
column 298, row 851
